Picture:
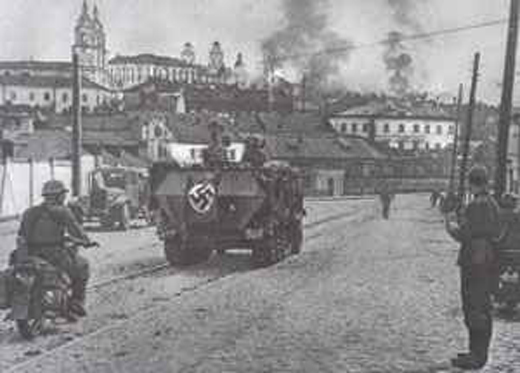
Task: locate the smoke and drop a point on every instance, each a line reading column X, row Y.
column 398, row 63
column 306, row 45
column 403, row 11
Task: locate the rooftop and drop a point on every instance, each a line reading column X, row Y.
column 46, row 82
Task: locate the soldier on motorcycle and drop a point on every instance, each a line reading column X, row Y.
column 43, row 232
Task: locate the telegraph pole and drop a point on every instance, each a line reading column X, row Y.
column 76, row 126
column 456, row 140
column 469, row 127
column 506, row 101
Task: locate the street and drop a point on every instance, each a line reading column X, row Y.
column 365, row 295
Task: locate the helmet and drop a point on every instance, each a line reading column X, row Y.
column 53, row 188
column 478, row 176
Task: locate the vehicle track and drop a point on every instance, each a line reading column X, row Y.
column 153, row 270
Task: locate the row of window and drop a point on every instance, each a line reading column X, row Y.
column 401, row 128
column 48, row 97
column 132, row 75
column 197, row 154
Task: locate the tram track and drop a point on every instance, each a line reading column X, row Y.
column 114, row 324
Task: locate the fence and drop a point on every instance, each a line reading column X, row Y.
column 21, row 181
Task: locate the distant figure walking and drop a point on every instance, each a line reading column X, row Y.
column 386, row 197
column 434, row 197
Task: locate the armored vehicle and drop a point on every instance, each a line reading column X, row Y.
column 200, row 209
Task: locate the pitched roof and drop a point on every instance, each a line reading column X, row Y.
column 194, row 128
column 394, row 109
column 149, row 59
column 47, row 144
column 36, row 65
column 319, row 148
column 39, row 81
column 296, row 123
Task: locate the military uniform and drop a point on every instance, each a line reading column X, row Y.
column 43, row 228
column 478, row 229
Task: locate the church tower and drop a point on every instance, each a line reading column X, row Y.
column 216, row 59
column 90, row 44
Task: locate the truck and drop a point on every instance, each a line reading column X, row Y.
column 116, row 196
column 199, row 210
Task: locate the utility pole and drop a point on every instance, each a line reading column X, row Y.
column 506, row 101
column 304, row 91
column 455, row 150
column 469, row 127
column 76, row 127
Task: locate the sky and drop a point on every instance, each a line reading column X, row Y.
column 43, row 29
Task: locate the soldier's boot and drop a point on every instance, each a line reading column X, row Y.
column 78, row 297
column 477, row 358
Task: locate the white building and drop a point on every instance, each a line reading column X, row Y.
column 425, row 128
column 47, row 92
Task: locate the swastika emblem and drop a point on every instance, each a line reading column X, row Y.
column 202, row 197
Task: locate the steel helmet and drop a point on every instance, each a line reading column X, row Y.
column 53, row 188
column 478, row 176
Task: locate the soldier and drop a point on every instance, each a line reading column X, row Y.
column 254, row 152
column 43, row 230
column 386, row 197
column 215, row 154
column 477, row 229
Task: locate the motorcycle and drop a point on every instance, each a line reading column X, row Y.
column 507, row 290
column 39, row 293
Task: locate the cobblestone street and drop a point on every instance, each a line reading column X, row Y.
column 366, row 295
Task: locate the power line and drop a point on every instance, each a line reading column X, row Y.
column 412, row 37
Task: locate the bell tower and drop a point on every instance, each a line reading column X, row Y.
column 90, row 43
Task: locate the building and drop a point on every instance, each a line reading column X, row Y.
column 130, row 71
column 53, row 93
column 398, row 126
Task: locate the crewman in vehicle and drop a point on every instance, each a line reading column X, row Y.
column 44, row 230
column 477, row 229
column 254, row 153
column 215, row 154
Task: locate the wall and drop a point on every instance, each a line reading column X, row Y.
column 19, row 190
column 188, row 154
column 409, row 138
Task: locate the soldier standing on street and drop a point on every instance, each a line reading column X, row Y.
column 477, row 229
column 215, row 154
column 43, row 232
column 386, row 197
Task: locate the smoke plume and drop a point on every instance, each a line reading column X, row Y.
column 398, row 63
column 403, row 13
column 306, row 45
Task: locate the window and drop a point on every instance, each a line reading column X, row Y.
column 343, row 127
column 354, row 127
column 47, row 96
column 451, row 130
column 232, row 155
column 439, row 130
column 64, row 97
column 365, row 127
column 386, row 128
column 415, row 145
column 12, row 96
column 438, row 146
column 401, row 128
column 84, row 97
column 193, row 153
column 401, row 145
column 416, row 128
column 427, row 146
column 427, row 128
column 31, row 96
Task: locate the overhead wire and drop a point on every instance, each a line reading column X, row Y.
column 403, row 37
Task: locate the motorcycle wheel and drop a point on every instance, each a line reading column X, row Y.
column 30, row 328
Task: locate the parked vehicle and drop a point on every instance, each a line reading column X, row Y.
column 199, row 210
column 115, row 197
column 37, row 293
